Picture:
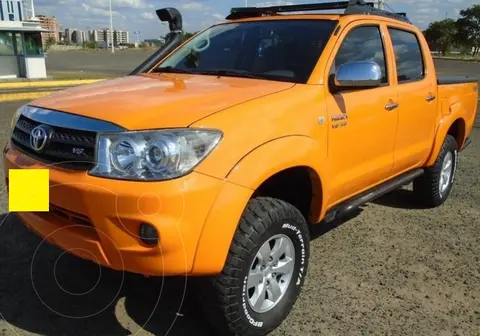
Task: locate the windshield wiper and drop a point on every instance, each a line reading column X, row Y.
column 231, row 72
column 172, row 69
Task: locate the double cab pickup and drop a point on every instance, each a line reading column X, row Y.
column 216, row 156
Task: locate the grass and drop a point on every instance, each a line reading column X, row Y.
column 72, row 75
column 460, row 58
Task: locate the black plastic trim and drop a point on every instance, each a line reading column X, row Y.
column 367, row 196
column 68, row 120
column 447, row 80
column 173, row 39
column 352, row 7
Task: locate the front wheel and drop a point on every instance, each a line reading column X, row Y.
column 265, row 270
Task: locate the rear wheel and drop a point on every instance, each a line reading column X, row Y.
column 265, row 270
column 433, row 188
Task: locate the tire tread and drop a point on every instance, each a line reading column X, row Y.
column 221, row 303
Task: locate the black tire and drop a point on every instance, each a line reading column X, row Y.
column 225, row 297
column 426, row 187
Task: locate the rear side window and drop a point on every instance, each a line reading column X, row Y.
column 408, row 55
column 362, row 44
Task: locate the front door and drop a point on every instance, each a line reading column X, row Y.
column 362, row 122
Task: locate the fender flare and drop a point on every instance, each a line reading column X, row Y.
column 455, row 112
column 240, row 184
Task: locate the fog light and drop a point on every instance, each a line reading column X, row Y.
column 148, row 234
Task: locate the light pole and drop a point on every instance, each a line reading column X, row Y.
column 136, row 33
column 111, row 28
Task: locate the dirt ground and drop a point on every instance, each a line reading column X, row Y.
column 392, row 269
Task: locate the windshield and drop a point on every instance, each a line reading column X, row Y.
column 284, row 50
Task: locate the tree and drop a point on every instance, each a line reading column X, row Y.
column 468, row 28
column 441, row 35
column 186, row 36
column 49, row 42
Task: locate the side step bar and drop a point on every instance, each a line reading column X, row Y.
column 367, row 196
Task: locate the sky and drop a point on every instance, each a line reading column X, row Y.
column 139, row 15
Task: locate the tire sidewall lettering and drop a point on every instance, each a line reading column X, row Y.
column 298, row 234
column 298, row 280
column 250, row 319
column 455, row 164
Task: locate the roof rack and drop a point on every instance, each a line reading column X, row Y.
column 351, row 7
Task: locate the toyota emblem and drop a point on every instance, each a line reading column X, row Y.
column 39, row 137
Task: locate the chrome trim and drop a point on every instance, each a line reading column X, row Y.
column 358, row 74
column 67, row 120
column 391, row 107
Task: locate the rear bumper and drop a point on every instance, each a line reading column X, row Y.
column 467, row 143
column 98, row 219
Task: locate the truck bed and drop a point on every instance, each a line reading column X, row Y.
column 459, row 93
column 447, row 80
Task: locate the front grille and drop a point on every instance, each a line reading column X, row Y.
column 69, row 148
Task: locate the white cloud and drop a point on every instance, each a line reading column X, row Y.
column 194, row 6
column 148, row 16
column 119, row 3
column 98, row 11
column 218, row 16
column 273, row 3
column 427, row 11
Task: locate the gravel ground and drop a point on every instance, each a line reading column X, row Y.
column 391, row 269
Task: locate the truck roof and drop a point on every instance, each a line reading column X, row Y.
column 351, row 7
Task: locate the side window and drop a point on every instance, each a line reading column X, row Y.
column 408, row 55
column 363, row 44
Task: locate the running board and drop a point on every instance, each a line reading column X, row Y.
column 367, row 196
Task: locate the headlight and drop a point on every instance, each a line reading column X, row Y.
column 152, row 155
column 16, row 116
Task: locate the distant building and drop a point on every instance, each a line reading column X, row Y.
column 78, row 36
column 119, row 37
column 154, row 42
column 11, row 10
column 49, row 23
column 74, row 36
column 102, row 37
column 92, row 36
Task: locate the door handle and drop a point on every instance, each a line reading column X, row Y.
column 430, row 98
column 391, row 107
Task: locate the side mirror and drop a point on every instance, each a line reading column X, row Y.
column 358, row 74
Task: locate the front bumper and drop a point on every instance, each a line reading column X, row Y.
column 98, row 219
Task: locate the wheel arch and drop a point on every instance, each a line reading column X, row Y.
column 452, row 124
column 260, row 173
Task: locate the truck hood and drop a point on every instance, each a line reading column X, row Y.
column 158, row 100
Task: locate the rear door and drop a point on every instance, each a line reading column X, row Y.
column 416, row 84
column 361, row 126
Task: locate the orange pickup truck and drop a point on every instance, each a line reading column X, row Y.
column 215, row 157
